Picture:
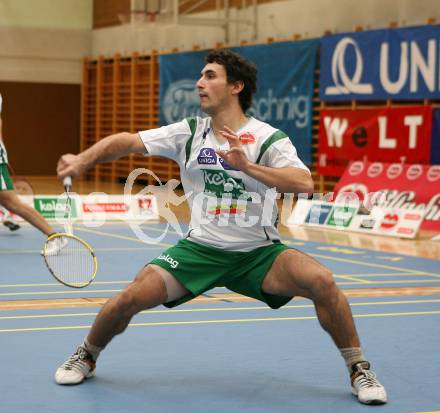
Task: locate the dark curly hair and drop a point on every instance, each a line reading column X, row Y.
column 237, row 68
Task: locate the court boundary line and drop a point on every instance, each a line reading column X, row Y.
column 100, row 301
column 91, row 291
column 219, row 309
column 369, row 264
column 228, row 321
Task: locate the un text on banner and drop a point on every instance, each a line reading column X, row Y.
column 385, row 135
column 399, row 64
column 413, row 188
column 284, row 94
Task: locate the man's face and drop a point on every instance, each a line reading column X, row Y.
column 214, row 90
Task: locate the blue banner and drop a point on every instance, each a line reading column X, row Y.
column 399, row 64
column 284, row 95
column 435, row 142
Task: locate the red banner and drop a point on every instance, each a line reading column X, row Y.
column 413, row 187
column 384, row 135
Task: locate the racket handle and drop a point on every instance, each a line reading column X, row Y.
column 67, row 182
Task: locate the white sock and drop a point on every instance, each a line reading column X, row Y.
column 93, row 350
column 352, row 355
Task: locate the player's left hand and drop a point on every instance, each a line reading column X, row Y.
column 235, row 156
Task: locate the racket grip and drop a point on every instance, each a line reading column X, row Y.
column 67, row 182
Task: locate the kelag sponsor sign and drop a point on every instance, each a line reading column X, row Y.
column 385, row 135
column 400, row 64
column 53, row 207
column 413, row 188
column 284, row 94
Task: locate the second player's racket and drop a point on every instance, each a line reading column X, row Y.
column 21, row 185
column 70, row 259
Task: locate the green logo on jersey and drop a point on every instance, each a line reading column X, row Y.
column 53, row 207
column 219, row 182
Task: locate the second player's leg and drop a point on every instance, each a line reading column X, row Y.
column 10, row 200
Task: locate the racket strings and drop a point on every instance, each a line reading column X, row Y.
column 70, row 261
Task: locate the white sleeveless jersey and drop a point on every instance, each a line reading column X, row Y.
column 229, row 209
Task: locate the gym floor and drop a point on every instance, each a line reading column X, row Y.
column 220, row 352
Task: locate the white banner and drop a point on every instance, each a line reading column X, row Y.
column 396, row 222
column 96, row 207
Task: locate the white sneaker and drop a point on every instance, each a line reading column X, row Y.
column 365, row 385
column 54, row 246
column 77, row 368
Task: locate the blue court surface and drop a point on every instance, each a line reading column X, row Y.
column 221, row 353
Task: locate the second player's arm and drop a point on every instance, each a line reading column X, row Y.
column 106, row 150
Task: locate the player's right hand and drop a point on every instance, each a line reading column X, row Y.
column 70, row 165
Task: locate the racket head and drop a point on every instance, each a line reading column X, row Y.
column 70, row 260
column 21, row 185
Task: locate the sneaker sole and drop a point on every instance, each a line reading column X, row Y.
column 90, row 375
column 374, row 402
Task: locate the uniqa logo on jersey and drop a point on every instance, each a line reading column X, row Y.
column 397, row 63
column 181, row 100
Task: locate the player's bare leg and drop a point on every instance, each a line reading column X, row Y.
column 296, row 274
column 11, row 201
column 149, row 289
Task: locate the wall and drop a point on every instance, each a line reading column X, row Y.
column 60, row 14
column 144, row 38
column 311, row 18
column 43, row 40
column 41, row 49
column 40, row 121
column 278, row 19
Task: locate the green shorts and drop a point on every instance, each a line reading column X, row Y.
column 5, row 179
column 200, row 268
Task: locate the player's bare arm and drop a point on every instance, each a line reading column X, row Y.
column 106, row 150
column 285, row 180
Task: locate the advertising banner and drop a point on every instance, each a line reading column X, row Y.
column 384, row 135
column 117, row 207
column 54, row 207
column 399, row 64
column 92, row 208
column 395, row 222
column 284, row 93
column 412, row 188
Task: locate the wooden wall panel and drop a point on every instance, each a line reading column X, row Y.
column 211, row 5
column 40, row 122
column 105, row 12
column 122, row 94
